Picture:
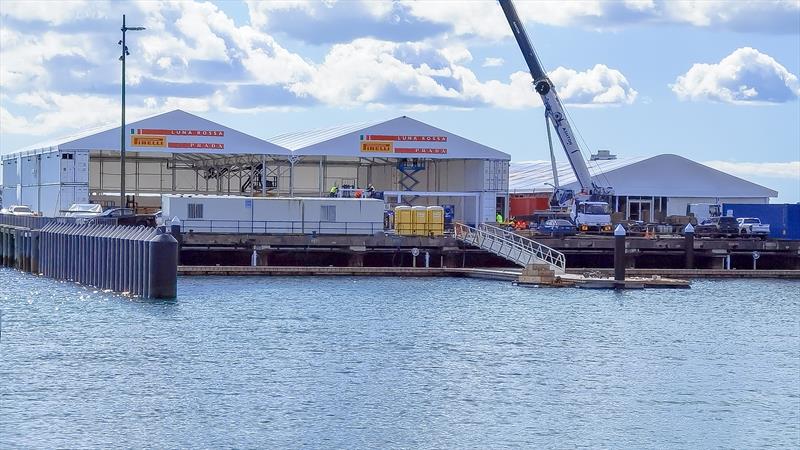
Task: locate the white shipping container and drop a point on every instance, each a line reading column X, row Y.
column 29, row 171
column 67, row 167
column 81, row 167
column 50, row 164
column 276, row 215
column 10, row 173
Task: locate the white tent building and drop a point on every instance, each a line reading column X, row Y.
column 174, row 152
column 646, row 188
column 410, row 161
column 177, row 152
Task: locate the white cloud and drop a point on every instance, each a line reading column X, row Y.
column 788, row 170
column 55, row 13
column 64, row 75
column 11, row 124
column 371, row 71
column 775, row 16
column 485, row 18
column 599, row 85
column 746, row 76
column 493, row 62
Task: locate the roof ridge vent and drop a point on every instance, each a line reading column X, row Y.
column 602, row 155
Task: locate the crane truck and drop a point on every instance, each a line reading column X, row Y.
column 589, row 207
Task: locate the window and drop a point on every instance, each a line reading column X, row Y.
column 327, row 213
column 195, row 211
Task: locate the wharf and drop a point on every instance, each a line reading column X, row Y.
column 506, row 274
column 385, row 250
column 575, row 277
column 696, row 273
column 501, row 274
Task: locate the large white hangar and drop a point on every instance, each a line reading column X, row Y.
column 410, row 161
column 173, row 152
column 645, row 188
column 181, row 153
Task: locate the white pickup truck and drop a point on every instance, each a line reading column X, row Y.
column 752, row 226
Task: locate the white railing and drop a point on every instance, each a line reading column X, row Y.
column 511, row 246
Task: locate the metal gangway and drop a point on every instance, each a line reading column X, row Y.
column 511, row 246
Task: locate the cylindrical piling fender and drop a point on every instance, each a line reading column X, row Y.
column 17, row 250
column 116, row 265
column 163, row 267
column 43, row 250
column 94, row 267
column 79, row 259
column 130, row 259
column 26, row 250
column 2, row 246
column 146, row 271
column 35, row 252
column 48, row 256
column 103, row 258
column 58, row 253
column 123, row 260
column 120, row 249
column 127, row 255
column 110, row 257
column 72, row 262
column 85, row 251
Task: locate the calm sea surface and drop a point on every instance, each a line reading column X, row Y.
column 387, row 363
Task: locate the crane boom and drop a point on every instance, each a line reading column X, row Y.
column 552, row 104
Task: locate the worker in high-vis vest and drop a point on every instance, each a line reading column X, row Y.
column 499, row 217
column 334, row 190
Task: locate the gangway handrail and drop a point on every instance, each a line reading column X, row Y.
column 548, row 254
column 509, row 245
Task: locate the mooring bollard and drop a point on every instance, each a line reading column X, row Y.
column 163, row 267
column 688, row 245
column 619, row 257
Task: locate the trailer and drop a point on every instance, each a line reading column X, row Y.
column 275, row 215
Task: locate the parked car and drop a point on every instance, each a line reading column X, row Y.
column 752, row 226
column 18, row 210
column 718, row 226
column 127, row 216
column 83, row 210
column 558, row 227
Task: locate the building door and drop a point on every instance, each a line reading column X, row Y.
column 640, row 210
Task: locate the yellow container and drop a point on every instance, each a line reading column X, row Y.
column 402, row 220
column 419, row 220
column 435, row 220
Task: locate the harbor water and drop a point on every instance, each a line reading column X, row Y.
column 398, row 363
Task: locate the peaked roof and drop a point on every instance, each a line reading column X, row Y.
column 172, row 132
column 398, row 137
column 534, row 176
column 664, row 175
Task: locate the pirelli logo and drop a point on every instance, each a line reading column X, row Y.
column 139, row 140
column 376, row 147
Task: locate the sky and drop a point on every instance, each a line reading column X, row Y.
column 714, row 81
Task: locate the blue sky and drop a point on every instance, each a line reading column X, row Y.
column 715, row 81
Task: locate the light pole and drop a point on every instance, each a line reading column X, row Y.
column 122, row 127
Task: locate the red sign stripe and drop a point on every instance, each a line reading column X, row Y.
column 430, row 151
column 417, row 138
column 198, row 145
column 210, row 133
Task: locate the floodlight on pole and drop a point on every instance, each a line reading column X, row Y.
column 122, row 58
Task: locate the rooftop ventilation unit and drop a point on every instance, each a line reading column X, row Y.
column 602, row 155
